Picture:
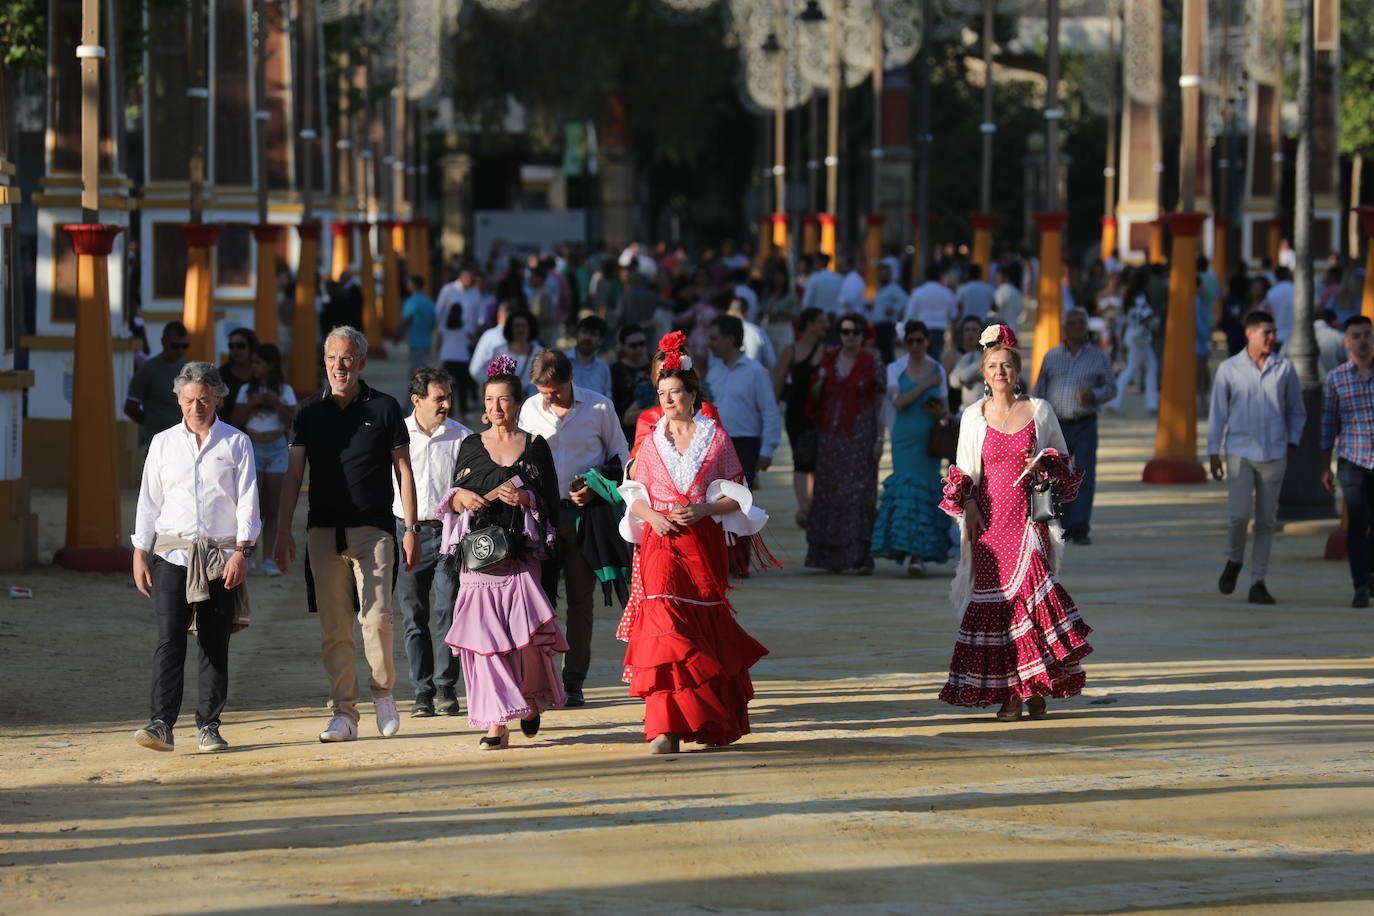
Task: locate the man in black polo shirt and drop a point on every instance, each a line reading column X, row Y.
column 353, row 437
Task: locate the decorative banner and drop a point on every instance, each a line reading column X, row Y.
column 1142, row 52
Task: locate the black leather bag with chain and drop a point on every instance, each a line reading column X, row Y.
column 1044, row 501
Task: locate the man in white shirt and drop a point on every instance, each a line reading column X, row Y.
column 491, row 342
column 934, row 305
column 1279, row 303
column 1257, row 415
column 583, row 433
column 746, row 292
column 1330, row 342
column 590, row 371
column 457, row 320
column 434, row 442
column 757, row 346
column 742, row 391
column 1009, row 301
column 823, row 286
column 975, row 297
column 853, row 290
column 197, row 518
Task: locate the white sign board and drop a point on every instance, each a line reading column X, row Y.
column 524, row 232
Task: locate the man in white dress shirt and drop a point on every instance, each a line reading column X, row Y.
column 823, row 286
column 757, row 346
column 458, row 319
column 742, row 391
column 853, row 289
column 583, row 432
column 487, row 346
column 434, row 442
column 196, row 524
column 975, row 297
column 1279, row 303
column 934, row 305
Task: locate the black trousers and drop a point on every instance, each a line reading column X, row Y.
column 579, row 586
column 747, row 448
column 214, row 618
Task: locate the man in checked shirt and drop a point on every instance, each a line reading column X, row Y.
column 1348, row 424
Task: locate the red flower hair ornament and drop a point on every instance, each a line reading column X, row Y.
column 997, row 335
column 671, row 346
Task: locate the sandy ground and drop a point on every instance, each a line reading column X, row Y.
column 1219, row 761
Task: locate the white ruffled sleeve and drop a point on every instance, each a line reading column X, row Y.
column 749, row 519
column 631, row 525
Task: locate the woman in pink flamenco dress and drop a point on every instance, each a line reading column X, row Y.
column 504, row 628
column 1020, row 636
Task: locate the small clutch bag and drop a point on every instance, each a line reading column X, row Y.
column 1044, row 502
column 484, row 548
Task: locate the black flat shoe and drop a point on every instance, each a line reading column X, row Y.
column 530, row 727
column 423, row 708
column 488, row 743
column 575, row 698
column 1227, row 583
column 1260, row 595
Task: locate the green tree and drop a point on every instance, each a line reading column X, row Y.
column 23, row 32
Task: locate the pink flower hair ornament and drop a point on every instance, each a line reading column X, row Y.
column 501, row 365
column 997, row 335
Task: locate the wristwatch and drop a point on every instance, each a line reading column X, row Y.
column 246, row 551
column 417, row 528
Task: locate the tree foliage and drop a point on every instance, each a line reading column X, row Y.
column 23, row 32
column 1357, row 78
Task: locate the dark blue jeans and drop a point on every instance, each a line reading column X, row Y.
column 433, row 666
column 1357, row 486
column 1081, row 438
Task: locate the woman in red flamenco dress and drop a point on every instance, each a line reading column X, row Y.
column 1020, row 636
column 687, row 656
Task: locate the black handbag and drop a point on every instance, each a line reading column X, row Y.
column 1044, row 501
column 944, row 439
column 484, row 548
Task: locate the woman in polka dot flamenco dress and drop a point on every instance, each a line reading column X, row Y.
column 1020, row 636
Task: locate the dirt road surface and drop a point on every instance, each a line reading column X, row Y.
column 1221, row 759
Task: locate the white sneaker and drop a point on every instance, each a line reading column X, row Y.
column 270, row 569
column 388, row 719
column 341, row 728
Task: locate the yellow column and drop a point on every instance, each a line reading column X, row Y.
column 811, row 234
column 1175, row 458
column 765, row 242
column 341, row 251
column 873, row 252
column 367, row 278
column 1108, row 244
column 304, row 361
column 391, row 279
column 197, row 311
column 1367, row 219
column 1156, row 252
column 94, row 532
column 828, row 236
column 1049, row 298
column 983, row 224
column 779, row 233
column 266, row 324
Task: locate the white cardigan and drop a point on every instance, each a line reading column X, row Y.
column 973, row 429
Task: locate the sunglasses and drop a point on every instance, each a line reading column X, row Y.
column 241, row 345
column 634, row 344
column 851, row 332
column 186, row 345
column 915, row 340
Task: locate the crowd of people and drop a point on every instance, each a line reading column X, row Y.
column 600, row 459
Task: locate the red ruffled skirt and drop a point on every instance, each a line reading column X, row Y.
column 688, row 658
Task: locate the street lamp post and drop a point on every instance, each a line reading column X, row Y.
column 303, row 335
column 265, row 235
column 984, row 220
column 1049, row 298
